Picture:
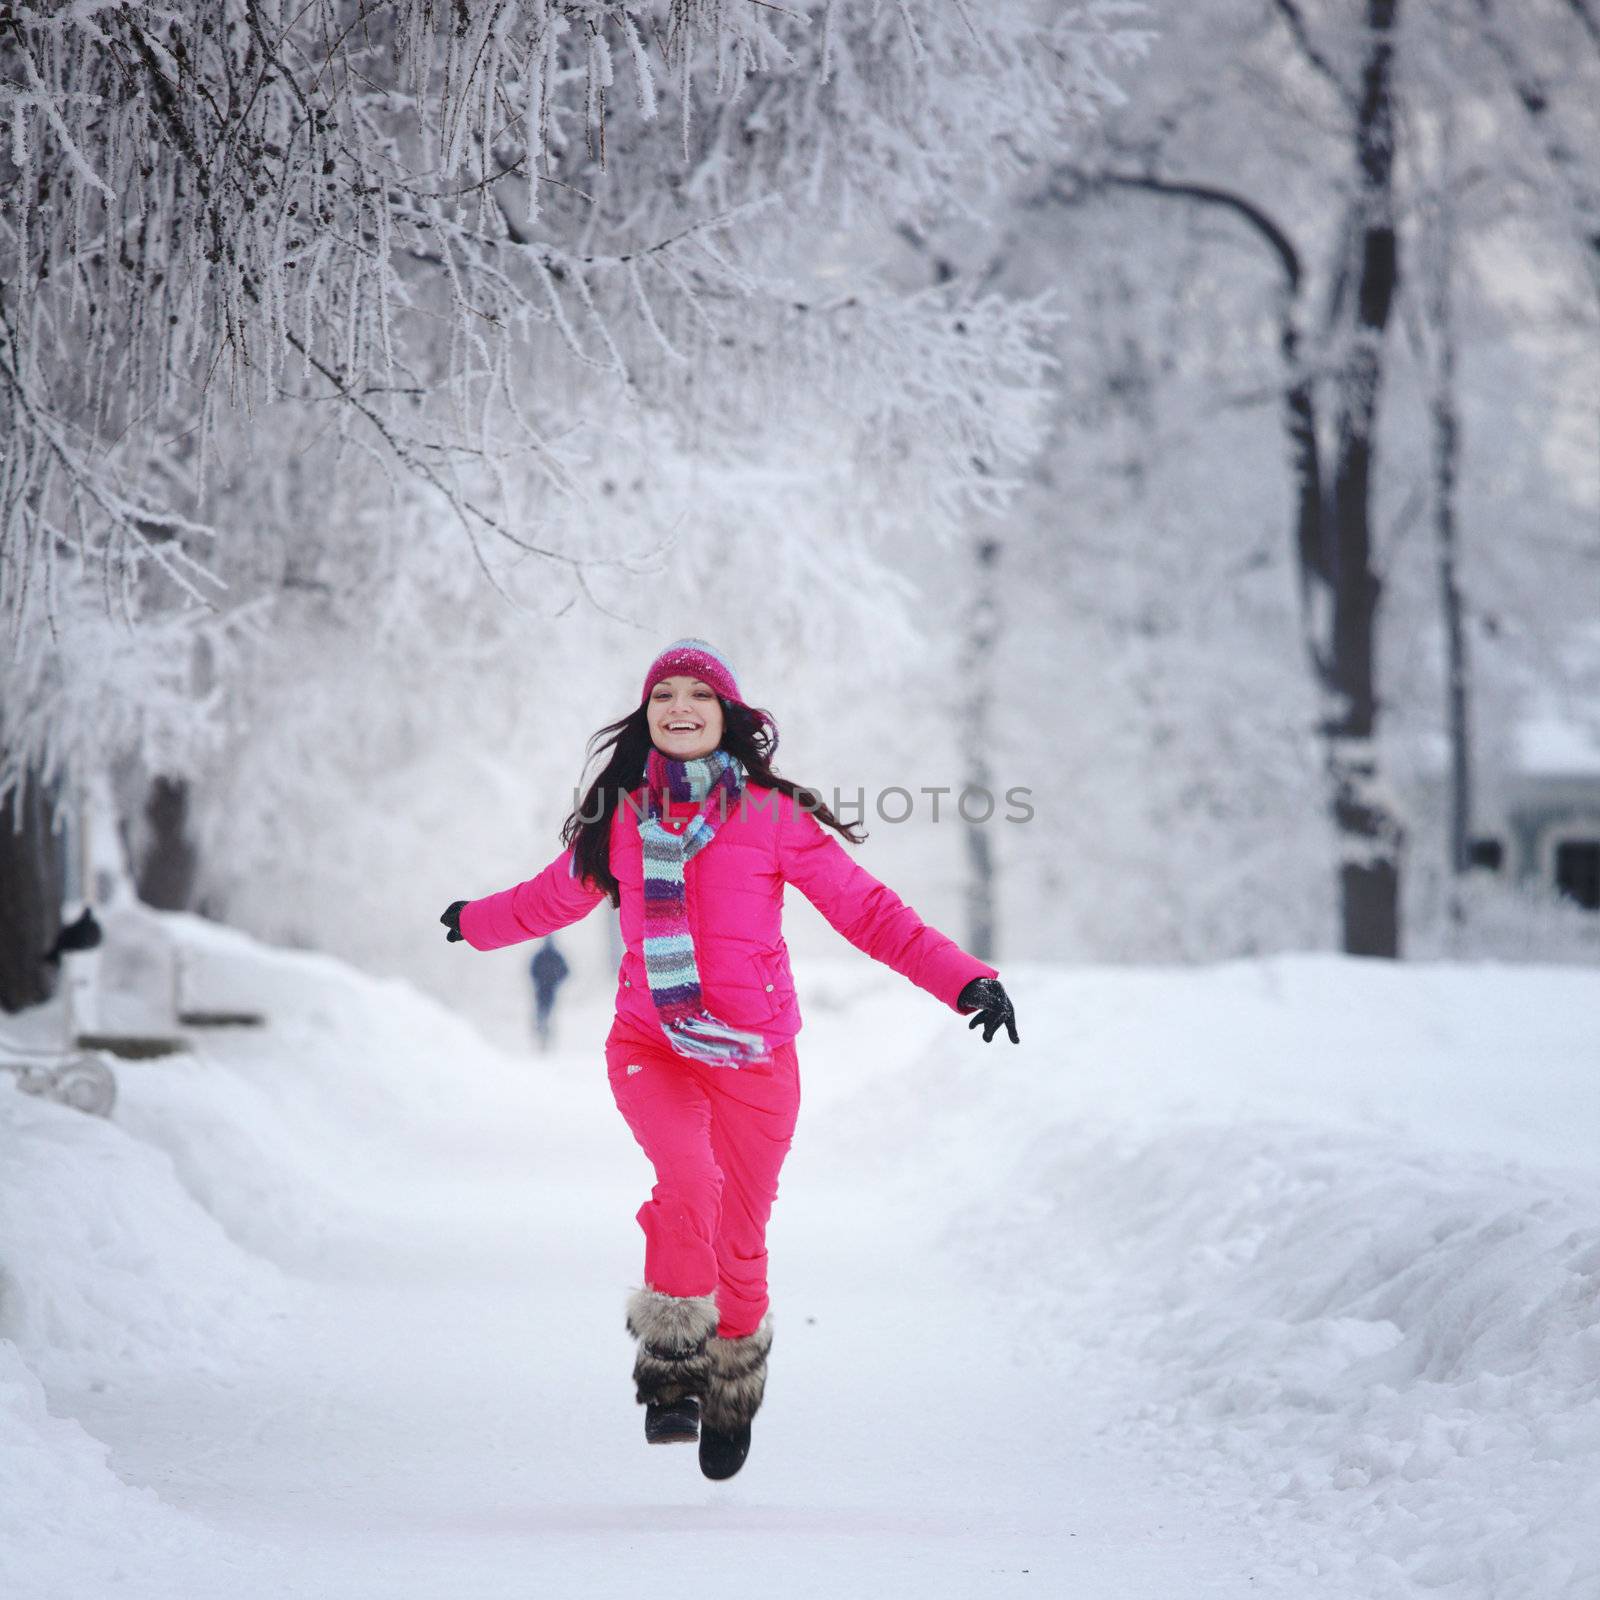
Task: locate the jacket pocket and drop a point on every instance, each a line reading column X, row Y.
column 777, row 984
column 631, row 975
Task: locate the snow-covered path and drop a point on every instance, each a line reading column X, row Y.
column 450, row 1415
column 1277, row 1278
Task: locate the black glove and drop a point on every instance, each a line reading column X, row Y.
column 994, row 1008
column 452, row 920
column 83, row 934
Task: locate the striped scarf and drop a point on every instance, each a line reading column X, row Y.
column 716, row 781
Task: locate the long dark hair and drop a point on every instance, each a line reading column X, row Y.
column 748, row 732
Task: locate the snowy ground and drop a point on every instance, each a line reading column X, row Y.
column 1275, row 1278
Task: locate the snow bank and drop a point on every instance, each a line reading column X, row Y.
column 70, row 1529
column 1400, row 1352
column 1319, row 1236
column 111, row 1278
column 1278, row 1204
column 143, row 1248
column 108, row 1267
column 299, row 1134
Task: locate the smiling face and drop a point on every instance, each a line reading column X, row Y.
column 685, row 717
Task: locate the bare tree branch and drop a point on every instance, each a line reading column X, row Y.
column 1585, row 12
column 1572, row 167
column 1294, row 18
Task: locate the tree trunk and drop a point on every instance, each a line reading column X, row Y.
column 1317, row 548
column 1457, row 669
column 32, row 883
column 1338, row 587
column 983, row 627
column 1444, row 425
column 1369, row 831
column 168, row 862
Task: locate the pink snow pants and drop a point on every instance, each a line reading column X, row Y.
column 716, row 1137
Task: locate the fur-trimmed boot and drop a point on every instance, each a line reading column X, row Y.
column 671, row 1368
column 738, row 1380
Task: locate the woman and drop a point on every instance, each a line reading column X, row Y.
column 690, row 832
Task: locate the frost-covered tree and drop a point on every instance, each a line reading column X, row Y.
column 1300, row 162
column 487, row 266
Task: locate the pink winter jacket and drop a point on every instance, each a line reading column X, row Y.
column 734, row 891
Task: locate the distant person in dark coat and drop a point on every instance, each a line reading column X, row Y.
column 548, row 970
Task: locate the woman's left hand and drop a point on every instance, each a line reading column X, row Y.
column 994, row 1008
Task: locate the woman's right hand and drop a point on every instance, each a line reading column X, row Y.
column 452, row 920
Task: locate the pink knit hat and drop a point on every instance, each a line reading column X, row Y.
column 694, row 658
